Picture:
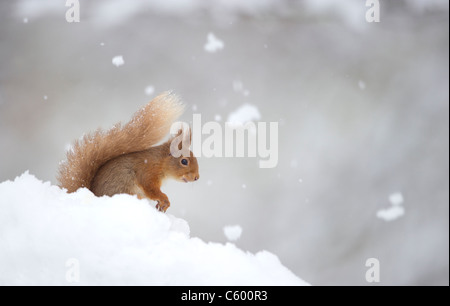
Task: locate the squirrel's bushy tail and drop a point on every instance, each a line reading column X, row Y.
column 147, row 127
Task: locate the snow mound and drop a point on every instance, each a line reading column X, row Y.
column 49, row 237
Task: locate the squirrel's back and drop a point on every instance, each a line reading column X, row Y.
column 147, row 127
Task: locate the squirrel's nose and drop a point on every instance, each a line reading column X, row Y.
column 196, row 177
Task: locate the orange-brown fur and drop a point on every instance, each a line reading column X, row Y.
column 122, row 160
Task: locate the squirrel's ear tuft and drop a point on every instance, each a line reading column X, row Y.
column 181, row 141
column 186, row 133
column 190, row 134
column 180, row 131
column 173, row 137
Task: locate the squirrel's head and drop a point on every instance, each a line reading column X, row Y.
column 182, row 168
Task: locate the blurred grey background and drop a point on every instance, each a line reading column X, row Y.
column 363, row 110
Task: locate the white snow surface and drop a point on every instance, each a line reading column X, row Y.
column 117, row 240
column 232, row 232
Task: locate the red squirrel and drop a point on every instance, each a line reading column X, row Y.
column 126, row 160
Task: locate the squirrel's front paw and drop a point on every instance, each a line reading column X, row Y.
column 163, row 205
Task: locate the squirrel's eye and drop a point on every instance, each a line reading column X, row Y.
column 184, row 161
